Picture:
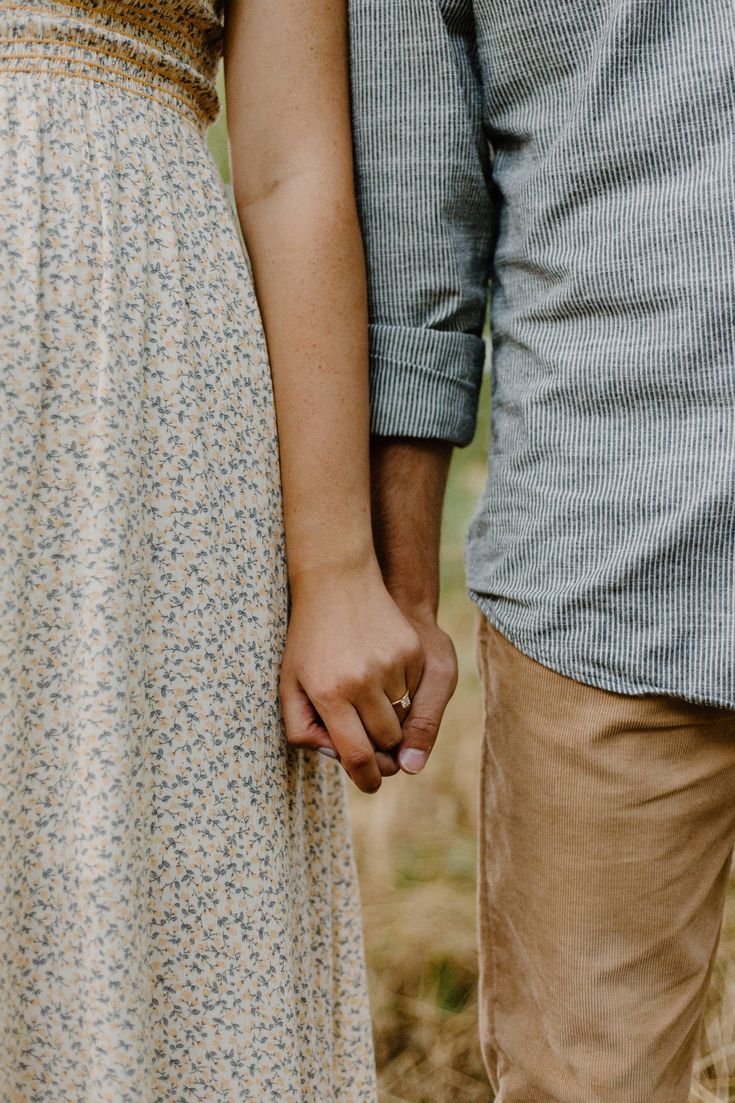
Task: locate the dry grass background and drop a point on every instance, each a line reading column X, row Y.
column 415, row 846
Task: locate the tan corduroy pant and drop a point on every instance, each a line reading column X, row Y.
column 607, row 826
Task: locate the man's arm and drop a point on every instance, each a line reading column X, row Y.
column 409, row 479
column 423, row 190
column 423, row 185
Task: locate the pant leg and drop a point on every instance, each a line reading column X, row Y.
column 607, row 827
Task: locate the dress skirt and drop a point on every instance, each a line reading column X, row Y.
column 179, row 917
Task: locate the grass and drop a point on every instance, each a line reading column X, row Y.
column 415, row 846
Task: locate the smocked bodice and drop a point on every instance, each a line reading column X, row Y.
column 165, row 49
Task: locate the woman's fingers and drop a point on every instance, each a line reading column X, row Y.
column 354, row 719
column 305, row 728
column 415, row 672
column 302, row 722
column 400, row 698
column 350, row 740
column 379, row 719
column 387, row 763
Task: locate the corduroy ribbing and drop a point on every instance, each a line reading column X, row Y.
column 606, row 831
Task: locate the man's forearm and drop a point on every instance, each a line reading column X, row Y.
column 409, row 478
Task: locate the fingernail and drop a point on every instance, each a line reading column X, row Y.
column 327, row 752
column 412, row 760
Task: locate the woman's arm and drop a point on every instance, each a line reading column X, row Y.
column 349, row 650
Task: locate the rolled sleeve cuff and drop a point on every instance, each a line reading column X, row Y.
column 424, row 383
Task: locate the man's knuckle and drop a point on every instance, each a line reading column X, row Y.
column 423, row 724
column 445, row 669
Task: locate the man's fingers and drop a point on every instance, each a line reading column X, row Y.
column 421, row 730
column 421, row 726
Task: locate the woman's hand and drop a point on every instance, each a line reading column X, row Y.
column 350, row 653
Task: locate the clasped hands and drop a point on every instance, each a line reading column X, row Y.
column 351, row 652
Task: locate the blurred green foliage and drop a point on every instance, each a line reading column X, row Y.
column 217, row 135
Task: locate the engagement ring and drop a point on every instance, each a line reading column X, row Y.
column 405, row 701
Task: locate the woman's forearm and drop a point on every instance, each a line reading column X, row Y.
column 288, row 105
column 350, row 654
column 306, row 252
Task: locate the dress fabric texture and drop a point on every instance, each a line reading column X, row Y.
column 179, row 917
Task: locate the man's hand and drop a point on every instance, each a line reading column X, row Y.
column 408, row 483
column 438, row 683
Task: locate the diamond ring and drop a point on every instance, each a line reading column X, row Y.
column 405, row 701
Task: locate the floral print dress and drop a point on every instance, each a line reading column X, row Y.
column 179, row 920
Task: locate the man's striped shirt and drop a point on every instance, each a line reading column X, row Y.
column 580, row 155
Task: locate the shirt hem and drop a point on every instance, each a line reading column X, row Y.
column 629, row 687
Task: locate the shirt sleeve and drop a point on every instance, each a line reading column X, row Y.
column 421, row 160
